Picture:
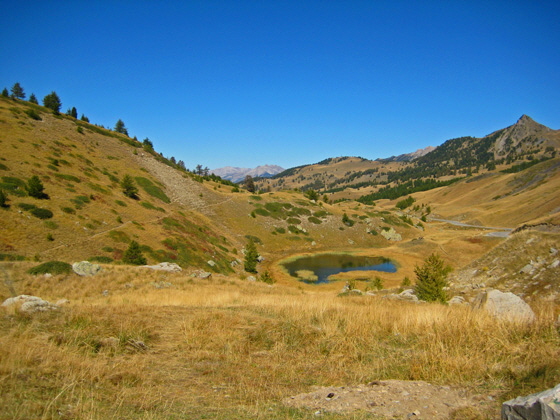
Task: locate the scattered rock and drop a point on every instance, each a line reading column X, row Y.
column 251, row 278
column 136, row 345
column 85, row 268
column 212, row 263
column 29, row 304
column 528, row 269
column 506, row 306
column 105, row 293
column 407, row 294
column 165, row 266
column 541, row 406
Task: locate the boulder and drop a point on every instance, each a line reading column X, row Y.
column 201, row 274
column 407, row 294
column 165, row 266
column 541, row 406
column 85, row 268
column 29, row 304
column 211, row 263
column 505, row 306
column 457, row 300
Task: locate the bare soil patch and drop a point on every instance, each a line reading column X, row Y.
column 391, row 399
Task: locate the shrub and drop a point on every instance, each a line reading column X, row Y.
column 51, row 267
column 431, row 279
column 3, row 199
column 31, row 113
column 128, row 187
column 314, row 220
column 267, row 278
column 26, row 206
column 68, row 210
column 41, row 213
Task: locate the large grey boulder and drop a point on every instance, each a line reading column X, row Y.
column 29, row 304
column 85, row 268
column 505, row 306
column 541, row 406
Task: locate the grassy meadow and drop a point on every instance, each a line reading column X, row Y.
column 227, row 348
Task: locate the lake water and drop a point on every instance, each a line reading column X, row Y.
column 324, row 265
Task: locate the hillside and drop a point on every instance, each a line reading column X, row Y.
column 510, row 149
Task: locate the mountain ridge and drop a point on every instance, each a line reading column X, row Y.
column 236, row 174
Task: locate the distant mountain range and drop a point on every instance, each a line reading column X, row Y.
column 235, row 174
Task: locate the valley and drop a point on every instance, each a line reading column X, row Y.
column 238, row 344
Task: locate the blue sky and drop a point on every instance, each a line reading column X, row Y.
column 245, row 83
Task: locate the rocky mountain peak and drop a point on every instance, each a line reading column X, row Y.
column 511, row 137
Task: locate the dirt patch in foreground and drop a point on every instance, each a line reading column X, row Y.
column 391, row 398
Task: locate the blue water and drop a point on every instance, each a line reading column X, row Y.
column 325, row 265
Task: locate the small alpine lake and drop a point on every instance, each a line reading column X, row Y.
column 316, row 269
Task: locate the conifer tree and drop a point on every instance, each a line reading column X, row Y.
column 5, row 93
column 120, row 128
column 251, row 257
column 17, row 91
column 431, row 279
column 52, row 101
column 133, row 255
column 35, row 188
column 33, row 99
column 84, row 118
column 250, row 184
column 129, row 188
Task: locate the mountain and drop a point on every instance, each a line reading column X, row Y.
column 410, row 156
column 235, row 174
column 518, row 146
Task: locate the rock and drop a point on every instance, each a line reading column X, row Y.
column 29, row 304
column 85, row 268
column 457, row 300
column 234, row 263
column 554, row 264
column 251, row 278
column 391, row 234
column 260, row 258
column 201, row 274
column 212, row 263
column 62, row 302
column 553, row 251
column 407, row 294
column 541, row 406
column 505, row 306
column 165, row 266
column 105, row 293
column 527, row 269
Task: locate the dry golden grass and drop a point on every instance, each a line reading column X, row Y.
column 227, row 348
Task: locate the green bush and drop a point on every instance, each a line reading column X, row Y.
column 51, row 267
column 133, row 255
column 26, row 206
column 431, row 279
column 31, row 113
column 68, row 210
column 314, row 220
column 41, row 213
column 71, row 178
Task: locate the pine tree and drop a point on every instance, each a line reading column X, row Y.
column 120, row 128
column 5, row 93
column 431, row 279
column 72, row 112
column 251, row 257
column 33, row 99
column 84, row 118
column 35, row 188
column 52, row 101
column 129, row 188
column 250, row 184
column 133, row 255
column 17, row 91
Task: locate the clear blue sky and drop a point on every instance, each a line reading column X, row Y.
column 245, row 83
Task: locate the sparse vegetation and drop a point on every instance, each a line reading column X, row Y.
column 51, row 267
